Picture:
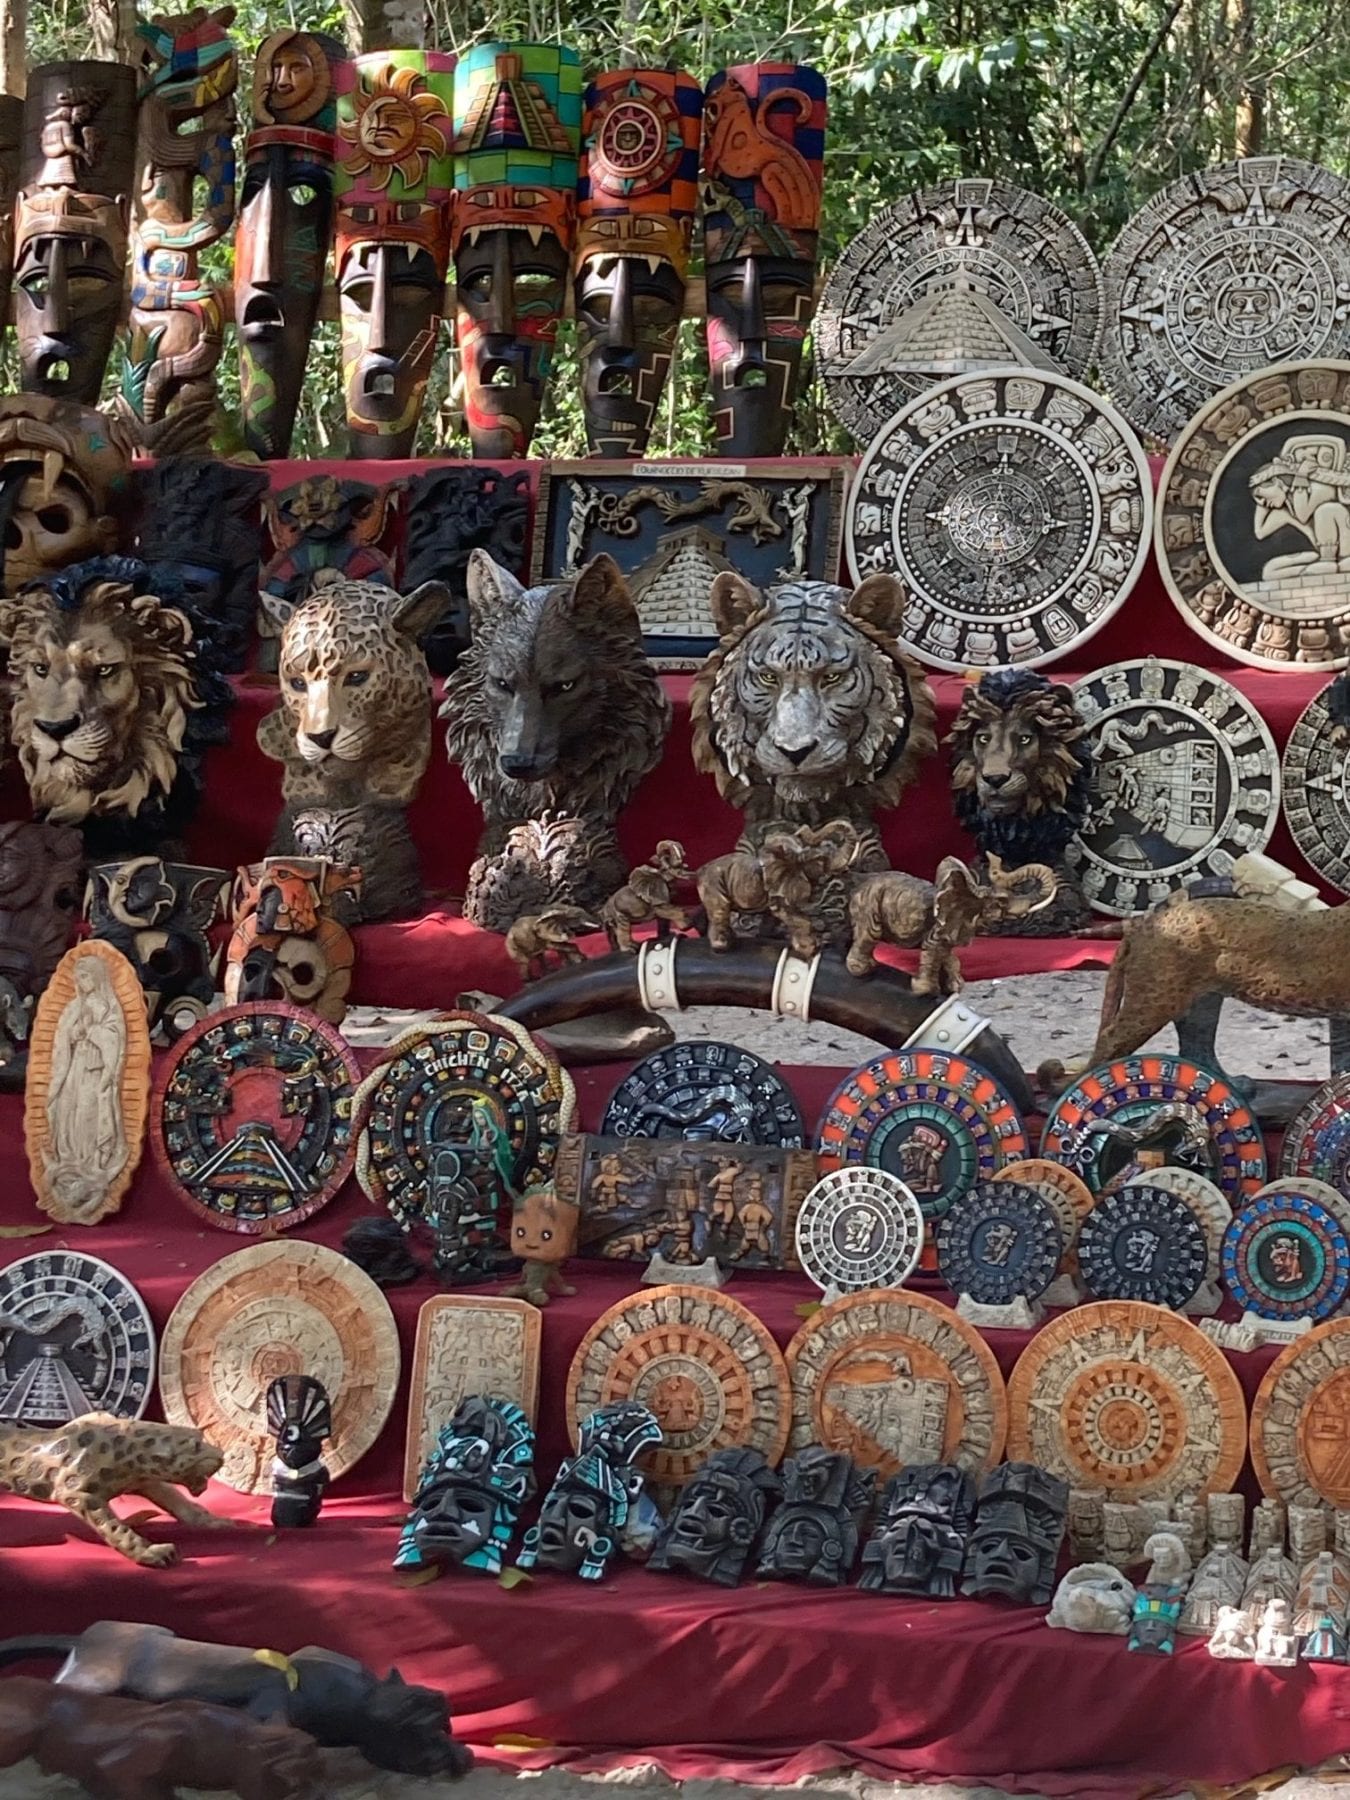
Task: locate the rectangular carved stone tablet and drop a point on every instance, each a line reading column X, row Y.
column 685, row 1200
column 467, row 1344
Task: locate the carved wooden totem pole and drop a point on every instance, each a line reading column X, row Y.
column 763, row 159
column 636, row 202
column 285, row 226
column 11, row 134
column 517, row 139
column 392, row 239
column 186, row 138
column 76, row 167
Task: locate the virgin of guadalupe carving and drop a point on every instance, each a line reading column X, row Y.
column 88, row 1086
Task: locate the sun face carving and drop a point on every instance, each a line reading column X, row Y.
column 394, row 128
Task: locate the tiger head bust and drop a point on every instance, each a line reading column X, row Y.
column 1020, row 767
column 808, row 710
column 102, row 675
column 354, row 723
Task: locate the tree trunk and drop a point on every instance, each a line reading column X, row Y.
column 13, row 63
column 113, row 24
column 1249, row 104
column 384, row 25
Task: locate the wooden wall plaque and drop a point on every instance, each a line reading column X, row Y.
column 468, row 1344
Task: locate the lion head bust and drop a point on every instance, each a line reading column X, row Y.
column 102, row 675
column 1020, row 768
column 808, row 710
column 354, row 723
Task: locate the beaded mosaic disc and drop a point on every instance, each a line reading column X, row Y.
column 937, row 1121
column 1142, row 1243
column 1286, row 1257
column 998, row 1243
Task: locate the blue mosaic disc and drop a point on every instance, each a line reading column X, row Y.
column 1286, row 1257
column 1142, row 1243
column 1000, row 1242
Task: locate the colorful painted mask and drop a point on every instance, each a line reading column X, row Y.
column 189, row 74
column 517, row 140
column 64, row 473
column 763, row 158
column 285, row 225
column 157, row 914
column 289, row 941
column 591, row 1509
column 636, row 201
column 469, row 1496
column 393, row 185
column 717, row 1517
column 76, row 168
column 11, row 136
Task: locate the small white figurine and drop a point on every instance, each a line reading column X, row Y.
column 1169, row 1559
column 1094, row 1597
column 1276, row 1645
column 1232, row 1638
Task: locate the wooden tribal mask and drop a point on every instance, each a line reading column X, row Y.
column 517, row 140
column 636, row 201
column 392, row 239
column 11, row 135
column 285, row 226
column 65, row 475
column 76, row 167
column 763, row 158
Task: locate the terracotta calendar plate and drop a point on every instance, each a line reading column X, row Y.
column 1300, row 1434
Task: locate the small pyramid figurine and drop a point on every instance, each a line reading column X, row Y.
column 301, row 1414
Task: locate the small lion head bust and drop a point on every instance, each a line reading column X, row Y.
column 355, row 716
column 1020, row 770
column 809, row 710
column 102, row 675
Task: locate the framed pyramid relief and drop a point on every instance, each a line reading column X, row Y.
column 672, row 527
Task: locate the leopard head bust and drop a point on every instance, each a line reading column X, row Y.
column 1020, row 768
column 103, row 681
column 355, row 717
column 808, row 710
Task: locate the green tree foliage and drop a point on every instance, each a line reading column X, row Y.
column 1094, row 103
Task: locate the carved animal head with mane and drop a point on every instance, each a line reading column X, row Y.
column 102, row 675
column 809, row 710
column 1020, row 769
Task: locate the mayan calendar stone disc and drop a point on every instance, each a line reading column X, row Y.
column 1016, row 508
column 1129, row 1397
column 283, row 1308
column 75, row 1337
column 859, row 1229
column 896, row 1379
column 999, row 1243
column 971, row 274
column 1300, row 1433
column 1132, row 1089
column 1253, row 526
column 1142, row 1243
column 1317, row 1142
column 253, row 1121
column 87, row 1090
column 1068, row 1193
column 1315, row 775
column 1186, row 779
column 1206, row 1200
column 1286, row 1257
column 706, row 1090
column 457, row 1085
column 937, row 1121
column 702, row 1362
column 1232, row 269
column 468, row 1344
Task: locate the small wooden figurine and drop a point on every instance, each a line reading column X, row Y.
column 936, row 918
column 648, row 897
column 798, row 879
column 94, row 1459
column 543, row 1236
column 538, row 937
column 299, row 1412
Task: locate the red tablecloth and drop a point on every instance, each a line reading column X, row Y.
column 765, row 1683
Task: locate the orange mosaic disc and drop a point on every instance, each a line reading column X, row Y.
column 703, row 1363
column 1300, row 1432
column 1129, row 1397
column 1068, row 1193
column 896, row 1378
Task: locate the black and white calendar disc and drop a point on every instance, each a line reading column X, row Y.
column 1001, row 1242
column 707, row 1092
column 859, row 1229
column 75, row 1337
